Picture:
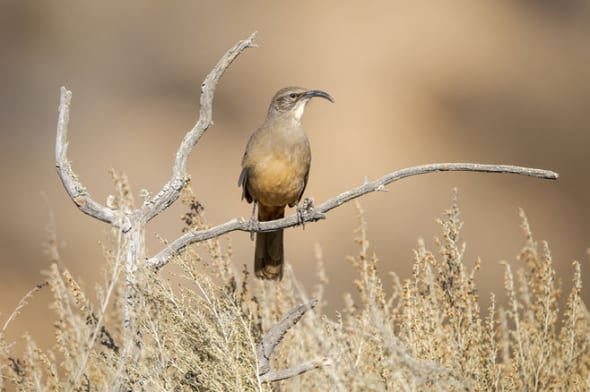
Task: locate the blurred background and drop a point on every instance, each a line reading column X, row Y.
column 415, row 82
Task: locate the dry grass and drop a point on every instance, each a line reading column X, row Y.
column 199, row 330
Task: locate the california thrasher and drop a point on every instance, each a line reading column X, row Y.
column 275, row 168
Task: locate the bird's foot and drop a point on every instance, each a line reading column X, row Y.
column 253, row 226
column 303, row 209
column 253, row 223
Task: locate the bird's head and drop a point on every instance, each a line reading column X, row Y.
column 291, row 101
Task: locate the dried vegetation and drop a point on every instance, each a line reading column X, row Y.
column 198, row 327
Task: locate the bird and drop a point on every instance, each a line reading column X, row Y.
column 275, row 169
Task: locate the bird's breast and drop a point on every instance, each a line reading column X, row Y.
column 277, row 178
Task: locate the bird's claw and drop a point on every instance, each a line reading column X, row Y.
column 253, row 226
column 303, row 209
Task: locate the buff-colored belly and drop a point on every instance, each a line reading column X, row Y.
column 277, row 180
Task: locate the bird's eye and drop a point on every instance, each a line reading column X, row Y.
column 293, row 95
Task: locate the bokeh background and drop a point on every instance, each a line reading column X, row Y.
column 415, row 82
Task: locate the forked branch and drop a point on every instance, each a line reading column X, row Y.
column 132, row 220
column 171, row 190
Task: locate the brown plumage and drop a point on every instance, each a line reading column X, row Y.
column 275, row 168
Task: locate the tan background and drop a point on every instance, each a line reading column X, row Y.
column 415, row 82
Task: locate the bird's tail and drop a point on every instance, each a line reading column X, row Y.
column 269, row 255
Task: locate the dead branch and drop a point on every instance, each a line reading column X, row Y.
column 319, row 212
column 171, row 190
column 70, row 181
column 132, row 221
column 273, row 337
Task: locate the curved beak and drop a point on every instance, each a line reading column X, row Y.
column 318, row 93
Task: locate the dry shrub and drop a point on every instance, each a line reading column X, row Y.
column 197, row 328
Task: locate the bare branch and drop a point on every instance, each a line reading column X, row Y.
column 132, row 222
column 278, row 375
column 171, row 190
column 273, row 337
column 70, row 181
column 319, row 212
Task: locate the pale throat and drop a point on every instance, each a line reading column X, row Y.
column 298, row 110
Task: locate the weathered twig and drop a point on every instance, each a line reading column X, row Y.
column 171, row 191
column 70, row 181
column 319, row 212
column 273, row 337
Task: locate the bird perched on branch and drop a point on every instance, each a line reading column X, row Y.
column 275, row 168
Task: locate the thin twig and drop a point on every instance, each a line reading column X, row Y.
column 21, row 304
column 319, row 212
column 274, row 336
column 70, row 181
column 171, row 190
column 278, row 375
